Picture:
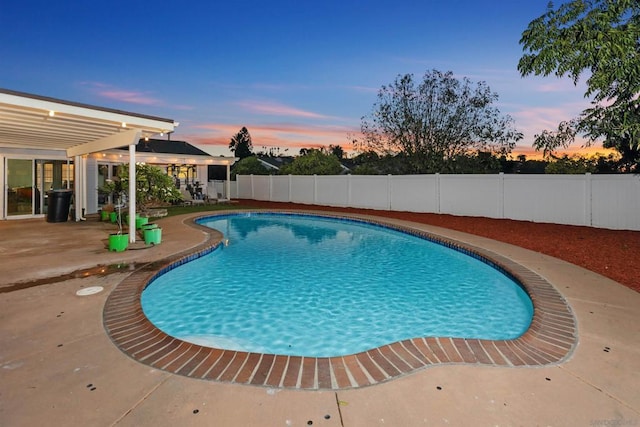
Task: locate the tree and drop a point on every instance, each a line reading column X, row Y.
column 153, row 186
column 570, row 165
column 371, row 163
column 436, row 120
column 601, row 38
column 240, row 145
column 337, row 151
column 315, row 162
column 478, row 163
column 249, row 166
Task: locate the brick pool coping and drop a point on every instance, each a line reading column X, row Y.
column 550, row 338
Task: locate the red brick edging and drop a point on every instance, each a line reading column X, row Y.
column 550, row 338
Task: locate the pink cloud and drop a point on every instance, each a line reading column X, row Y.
column 131, row 97
column 363, row 89
column 536, row 119
column 122, row 95
column 275, row 109
column 556, row 86
column 182, row 107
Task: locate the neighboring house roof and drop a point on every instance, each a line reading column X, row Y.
column 274, row 162
column 345, row 169
column 163, row 146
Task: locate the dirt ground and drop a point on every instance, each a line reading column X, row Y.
column 612, row 253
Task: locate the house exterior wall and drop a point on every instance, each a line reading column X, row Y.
column 92, row 162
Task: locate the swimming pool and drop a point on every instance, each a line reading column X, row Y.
column 320, row 287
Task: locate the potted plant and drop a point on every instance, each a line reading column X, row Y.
column 106, row 211
column 114, row 191
column 154, row 188
column 152, row 234
column 118, row 241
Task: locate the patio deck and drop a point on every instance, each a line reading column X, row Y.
column 60, row 367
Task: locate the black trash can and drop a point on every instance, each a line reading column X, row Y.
column 59, row 204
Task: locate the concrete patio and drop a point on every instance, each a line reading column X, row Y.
column 59, row 367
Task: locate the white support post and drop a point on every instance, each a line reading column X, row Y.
column 389, row 179
column 501, row 195
column 228, row 182
column 315, row 189
column 588, row 209
column 132, row 193
column 3, row 191
column 437, row 193
column 270, row 188
column 78, row 180
column 84, row 187
column 349, row 184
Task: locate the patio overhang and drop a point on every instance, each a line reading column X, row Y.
column 30, row 121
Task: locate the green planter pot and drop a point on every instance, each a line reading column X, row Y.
column 140, row 221
column 126, row 218
column 145, row 227
column 104, row 215
column 118, row 242
column 152, row 236
column 149, row 226
column 113, row 216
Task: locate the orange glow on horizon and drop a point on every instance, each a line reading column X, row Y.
column 593, row 151
column 290, row 138
column 293, row 137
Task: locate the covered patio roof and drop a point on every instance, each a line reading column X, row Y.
column 32, row 121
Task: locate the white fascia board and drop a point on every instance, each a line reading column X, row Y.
column 96, row 114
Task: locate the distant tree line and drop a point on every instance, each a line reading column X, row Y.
column 332, row 161
column 312, row 161
column 482, row 162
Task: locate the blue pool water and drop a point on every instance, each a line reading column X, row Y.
column 319, row 287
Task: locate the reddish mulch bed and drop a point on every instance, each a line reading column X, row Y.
column 611, row 253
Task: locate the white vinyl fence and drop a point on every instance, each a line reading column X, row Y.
column 604, row 201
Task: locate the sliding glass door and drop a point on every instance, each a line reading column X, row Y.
column 28, row 180
column 51, row 175
column 19, row 180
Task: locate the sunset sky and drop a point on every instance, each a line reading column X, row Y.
column 295, row 73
